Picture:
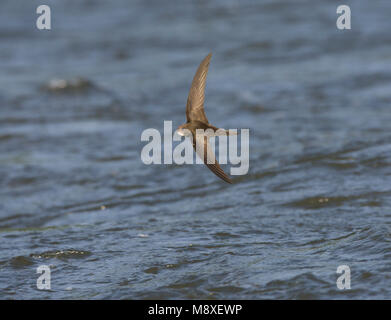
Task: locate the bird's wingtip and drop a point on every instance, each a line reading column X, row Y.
column 228, row 180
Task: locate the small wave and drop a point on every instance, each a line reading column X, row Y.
column 21, row 262
column 62, row 254
column 72, row 85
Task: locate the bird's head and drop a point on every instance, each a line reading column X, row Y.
column 183, row 130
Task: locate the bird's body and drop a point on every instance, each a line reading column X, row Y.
column 196, row 119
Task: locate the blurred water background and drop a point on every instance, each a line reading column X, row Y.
column 74, row 194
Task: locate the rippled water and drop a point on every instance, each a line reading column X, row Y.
column 74, row 194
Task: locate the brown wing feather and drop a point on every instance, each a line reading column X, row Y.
column 195, row 100
column 213, row 165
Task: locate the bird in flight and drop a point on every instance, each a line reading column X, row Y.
column 196, row 119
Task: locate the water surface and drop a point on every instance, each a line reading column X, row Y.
column 74, row 194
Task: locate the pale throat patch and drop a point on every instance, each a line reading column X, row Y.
column 184, row 132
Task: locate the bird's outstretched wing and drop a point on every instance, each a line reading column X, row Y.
column 204, row 150
column 195, row 100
